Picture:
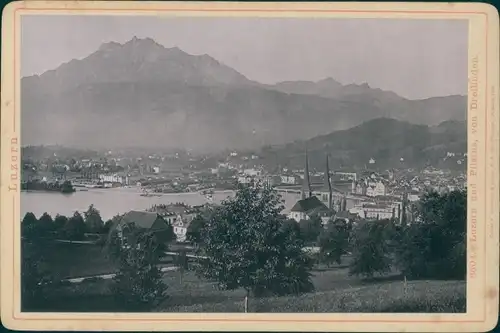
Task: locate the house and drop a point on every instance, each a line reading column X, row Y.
column 306, row 208
column 379, row 212
column 181, row 224
column 149, row 222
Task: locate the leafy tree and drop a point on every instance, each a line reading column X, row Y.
column 67, row 187
column 247, row 245
column 46, row 224
column 93, row 220
column 29, row 225
column 436, row 247
column 371, row 253
column 107, row 226
column 75, row 227
column 310, row 229
column 291, row 226
column 138, row 285
column 333, row 242
column 60, row 221
column 195, row 230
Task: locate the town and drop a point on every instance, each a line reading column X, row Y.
column 369, row 193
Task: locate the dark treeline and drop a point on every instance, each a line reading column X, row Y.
column 36, row 185
column 62, row 227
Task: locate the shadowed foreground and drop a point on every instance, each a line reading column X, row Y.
column 335, row 292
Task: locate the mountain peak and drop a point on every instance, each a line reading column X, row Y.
column 110, row 46
column 143, row 42
column 329, row 80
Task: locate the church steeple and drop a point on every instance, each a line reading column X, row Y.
column 328, row 184
column 306, row 186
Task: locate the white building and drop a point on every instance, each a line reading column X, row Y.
column 112, row 179
column 181, row 225
column 371, row 211
column 291, row 180
column 252, row 172
column 346, row 175
column 376, row 189
column 244, row 179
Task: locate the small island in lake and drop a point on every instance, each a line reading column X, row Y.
column 36, row 185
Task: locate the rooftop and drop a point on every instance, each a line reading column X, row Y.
column 141, row 219
column 311, row 204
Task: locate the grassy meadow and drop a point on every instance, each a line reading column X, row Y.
column 335, row 291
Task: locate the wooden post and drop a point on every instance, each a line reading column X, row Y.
column 246, row 302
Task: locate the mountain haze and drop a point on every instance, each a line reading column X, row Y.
column 142, row 94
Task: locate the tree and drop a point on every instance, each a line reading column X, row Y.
column 67, row 187
column 436, row 247
column 75, row 227
column 60, row 221
column 138, row 285
column 29, row 225
column 333, row 242
column 371, row 254
column 310, row 229
column 195, row 230
column 46, row 224
column 247, row 245
column 93, row 220
column 107, row 226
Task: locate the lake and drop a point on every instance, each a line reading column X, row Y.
column 113, row 201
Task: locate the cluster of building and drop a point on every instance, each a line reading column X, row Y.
column 351, row 196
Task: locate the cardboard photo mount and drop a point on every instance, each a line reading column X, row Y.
column 483, row 173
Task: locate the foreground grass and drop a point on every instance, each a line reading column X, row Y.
column 66, row 260
column 335, row 292
column 69, row 260
column 418, row 296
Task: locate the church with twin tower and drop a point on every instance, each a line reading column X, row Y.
column 317, row 203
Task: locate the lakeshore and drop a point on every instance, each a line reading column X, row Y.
column 114, row 201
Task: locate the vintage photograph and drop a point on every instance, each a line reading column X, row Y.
column 304, row 167
column 243, row 164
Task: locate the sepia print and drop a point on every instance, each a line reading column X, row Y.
column 288, row 166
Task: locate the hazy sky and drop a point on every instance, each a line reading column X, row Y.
column 414, row 58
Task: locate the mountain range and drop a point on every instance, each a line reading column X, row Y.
column 145, row 95
column 389, row 143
